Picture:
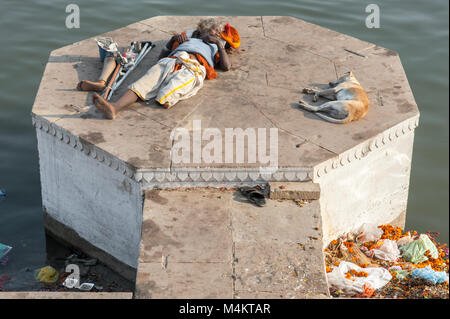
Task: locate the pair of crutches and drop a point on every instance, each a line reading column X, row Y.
column 125, row 67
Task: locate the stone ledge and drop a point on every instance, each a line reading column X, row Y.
column 295, row 191
column 186, row 177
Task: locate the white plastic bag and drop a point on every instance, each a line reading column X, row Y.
column 404, row 240
column 376, row 278
column 369, row 232
column 387, row 251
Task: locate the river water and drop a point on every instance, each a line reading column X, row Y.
column 29, row 29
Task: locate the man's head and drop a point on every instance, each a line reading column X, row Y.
column 212, row 27
column 209, row 26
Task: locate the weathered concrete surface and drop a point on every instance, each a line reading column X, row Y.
column 207, row 243
column 65, row 295
column 289, row 190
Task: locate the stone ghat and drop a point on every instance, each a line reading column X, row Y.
column 95, row 172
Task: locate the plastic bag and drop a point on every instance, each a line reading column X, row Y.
column 399, row 272
column 436, row 277
column 404, row 240
column 387, row 251
column 369, row 232
column 4, row 250
column 47, row 274
column 415, row 251
column 376, row 278
column 107, row 44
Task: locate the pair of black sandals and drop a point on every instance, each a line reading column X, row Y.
column 254, row 194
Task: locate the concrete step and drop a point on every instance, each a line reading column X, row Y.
column 294, row 190
column 207, row 243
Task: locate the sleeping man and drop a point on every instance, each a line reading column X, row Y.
column 183, row 65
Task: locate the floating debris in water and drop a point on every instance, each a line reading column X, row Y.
column 4, row 261
column 4, row 250
column 46, row 274
column 86, row 286
column 3, row 280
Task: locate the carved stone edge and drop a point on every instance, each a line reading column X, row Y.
column 362, row 150
column 226, row 177
column 83, row 146
column 175, row 177
column 187, row 177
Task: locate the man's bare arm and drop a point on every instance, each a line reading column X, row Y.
column 224, row 62
column 180, row 38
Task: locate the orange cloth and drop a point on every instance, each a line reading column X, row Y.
column 231, row 35
column 210, row 72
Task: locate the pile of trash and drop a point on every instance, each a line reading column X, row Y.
column 79, row 273
column 383, row 262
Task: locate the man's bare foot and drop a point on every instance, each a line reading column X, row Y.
column 91, row 86
column 104, row 106
column 309, row 91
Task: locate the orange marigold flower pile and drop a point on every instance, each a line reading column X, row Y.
column 367, row 291
column 349, row 246
column 355, row 273
column 399, row 285
column 392, row 232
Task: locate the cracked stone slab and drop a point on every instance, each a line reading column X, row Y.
column 248, row 26
column 288, row 65
column 186, row 226
column 199, row 235
column 285, row 270
column 184, row 281
column 292, row 234
column 316, row 39
column 280, row 221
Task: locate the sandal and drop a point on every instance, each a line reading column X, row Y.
column 254, row 195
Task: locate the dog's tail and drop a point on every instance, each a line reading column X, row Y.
column 332, row 119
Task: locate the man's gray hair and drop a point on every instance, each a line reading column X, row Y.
column 206, row 24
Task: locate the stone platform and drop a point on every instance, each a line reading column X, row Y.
column 206, row 243
column 94, row 172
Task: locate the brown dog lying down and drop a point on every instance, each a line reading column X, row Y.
column 349, row 100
